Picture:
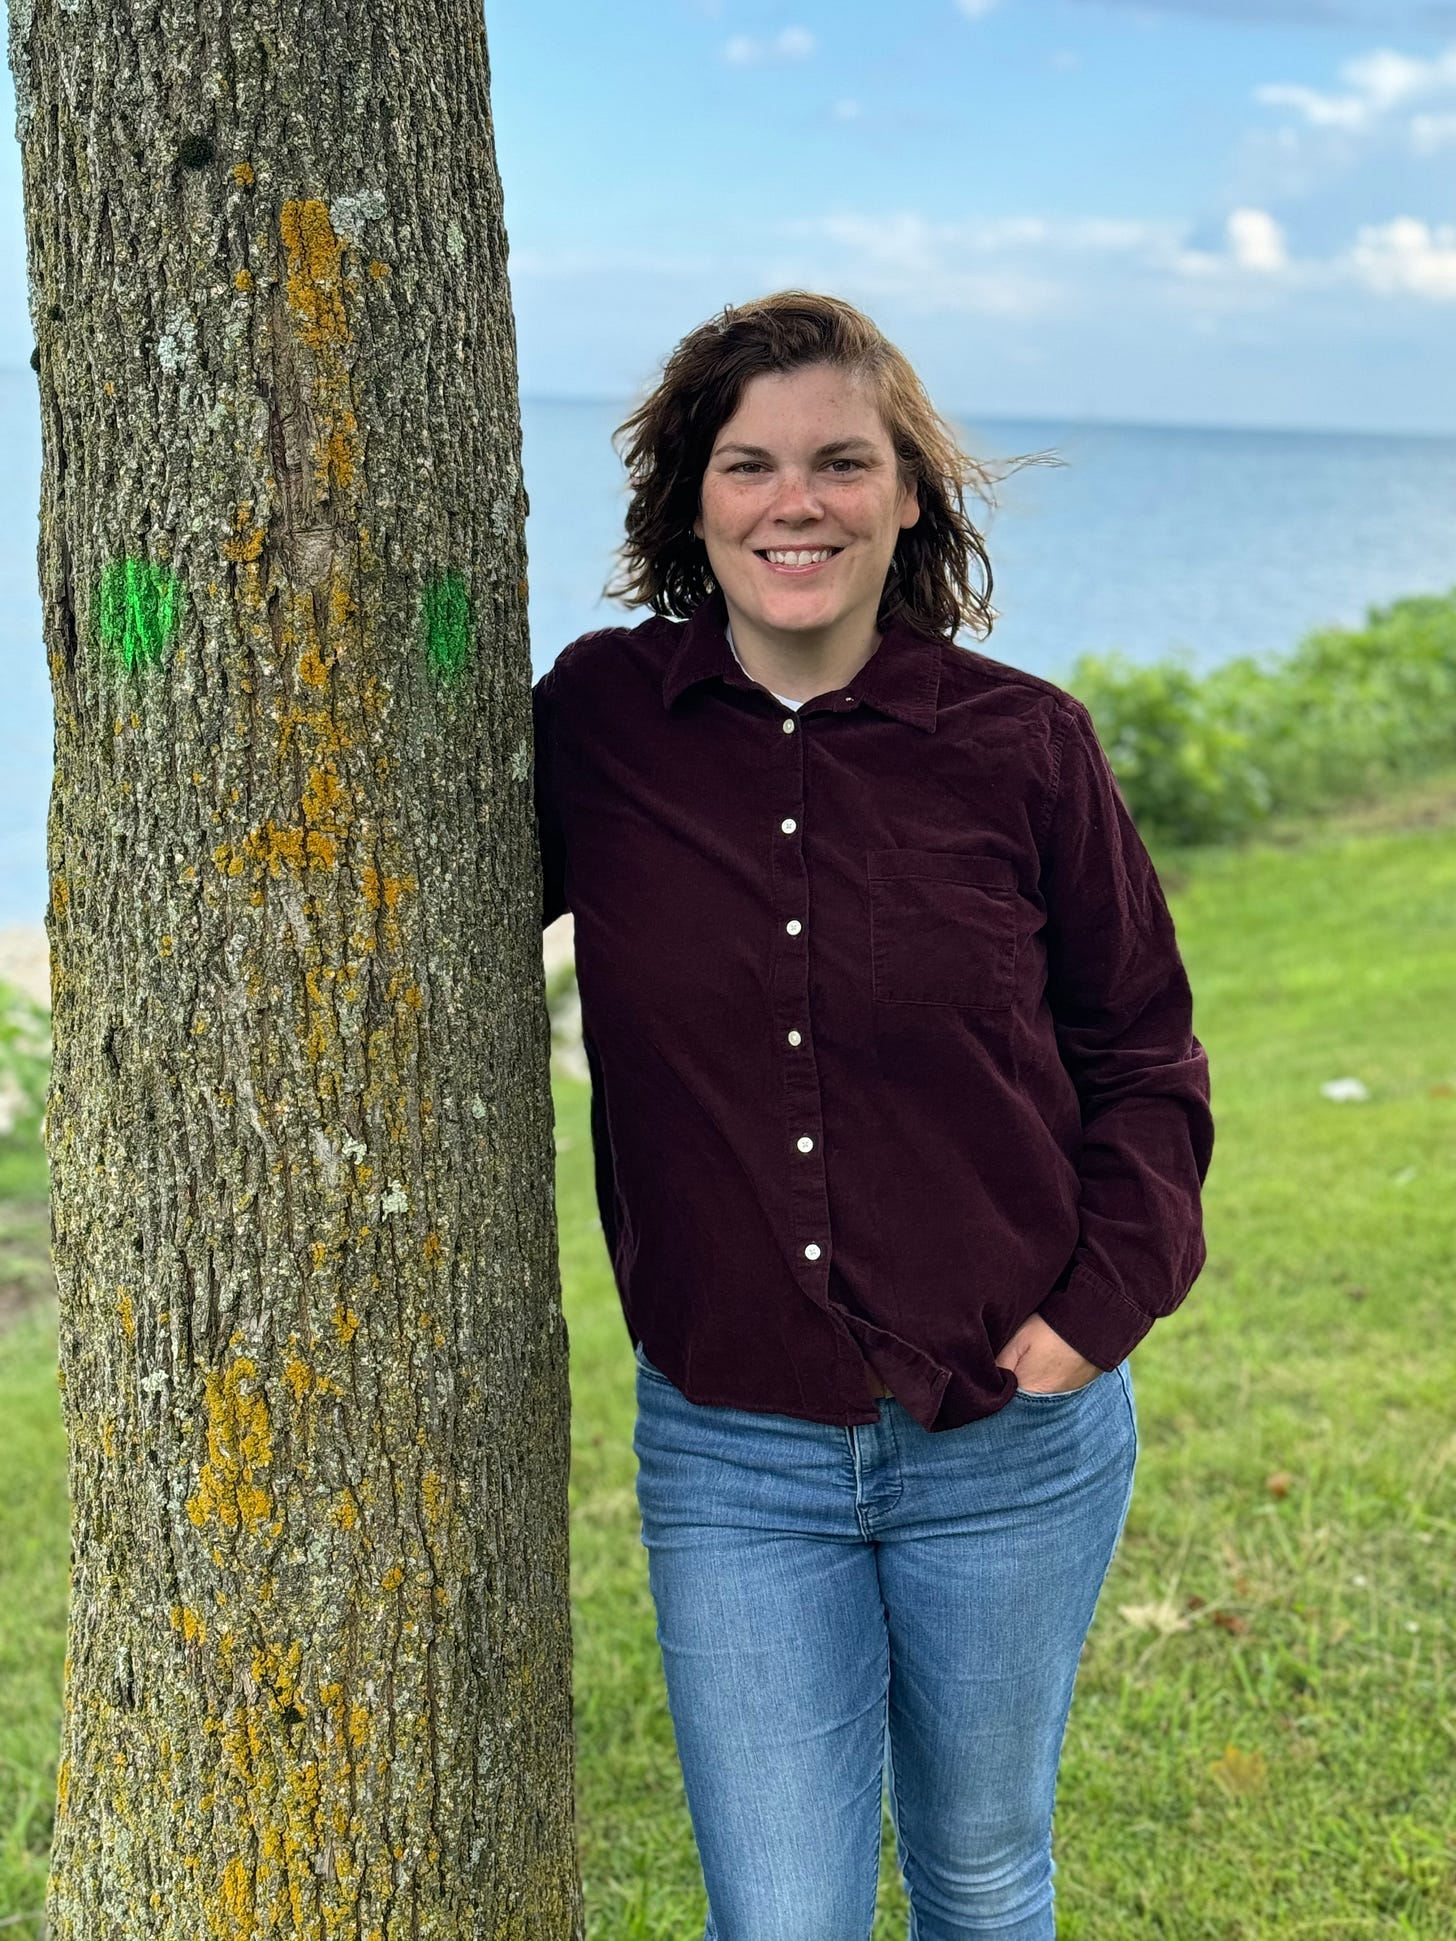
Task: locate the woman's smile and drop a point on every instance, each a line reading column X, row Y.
column 798, row 563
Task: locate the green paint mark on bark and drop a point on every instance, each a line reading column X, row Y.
column 136, row 610
column 447, row 625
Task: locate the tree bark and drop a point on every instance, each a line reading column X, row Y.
column 313, row 1362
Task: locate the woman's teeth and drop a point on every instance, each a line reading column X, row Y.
column 799, row 559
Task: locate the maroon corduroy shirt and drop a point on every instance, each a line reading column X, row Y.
column 889, row 1037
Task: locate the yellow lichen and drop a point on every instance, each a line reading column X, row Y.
column 346, row 1323
column 298, row 1376
column 345, row 1512
column 128, row 1314
column 312, row 667
column 238, row 1445
column 378, row 269
column 324, row 797
column 432, row 1248
column 386, row 889
column 432, row 1488
column 337, row 452
column 276, row 849
column 392, row 1578
column 236, row 1890
column 192, row 1627
column 243, row 174
column 247, row 540
column 243, row 280
column 316, row 286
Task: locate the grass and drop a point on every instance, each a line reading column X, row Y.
column 1263, row 1741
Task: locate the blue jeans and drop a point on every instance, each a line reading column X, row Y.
column 839, row 1604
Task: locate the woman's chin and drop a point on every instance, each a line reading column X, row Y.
column 792, row 612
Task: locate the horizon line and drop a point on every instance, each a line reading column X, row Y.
column 1094, row 421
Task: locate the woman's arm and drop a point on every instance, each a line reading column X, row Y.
column 1123, row 1014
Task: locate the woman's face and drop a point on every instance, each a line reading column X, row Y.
column 805, row 464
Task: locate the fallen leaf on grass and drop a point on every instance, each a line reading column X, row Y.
column 1278, row 1483
column 1163, row 1617
column 1229, row 1621
column 1240, row 1772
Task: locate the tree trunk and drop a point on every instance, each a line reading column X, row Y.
column 313, row 1362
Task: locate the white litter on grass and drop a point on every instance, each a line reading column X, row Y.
column 1164, row 1617
column 1344, row 1088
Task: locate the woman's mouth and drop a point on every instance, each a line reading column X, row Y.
column 797, row 563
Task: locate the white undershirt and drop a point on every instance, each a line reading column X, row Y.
column 728, row 629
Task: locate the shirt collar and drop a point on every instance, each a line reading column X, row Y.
column 900, row 678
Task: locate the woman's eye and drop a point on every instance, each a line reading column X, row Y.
column 754, row 465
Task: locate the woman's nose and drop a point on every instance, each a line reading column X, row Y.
column 795, row 495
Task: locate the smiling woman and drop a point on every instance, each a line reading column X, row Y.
column 899, row 1128
column 800, row 530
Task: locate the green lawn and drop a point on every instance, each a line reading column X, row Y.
column 1263, row 1741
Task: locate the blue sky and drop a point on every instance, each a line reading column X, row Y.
column 1237, row 212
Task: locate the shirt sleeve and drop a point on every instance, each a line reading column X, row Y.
column 1123, row 1014
column 549, row 837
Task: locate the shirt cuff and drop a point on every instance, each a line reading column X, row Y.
column 1089, row 1313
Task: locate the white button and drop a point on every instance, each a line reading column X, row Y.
column 806, row 1144
column 788, row 825
column 794, row 1038
column 788, row 727
column 793, row 926
column 811, row 1252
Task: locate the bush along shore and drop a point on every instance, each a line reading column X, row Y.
column 1210, row 758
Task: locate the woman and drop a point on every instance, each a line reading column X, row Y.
column 899, row 1125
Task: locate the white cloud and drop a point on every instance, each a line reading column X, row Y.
column 847, row 110
column 1256, row 242
column 975, row 9
column 790, row 44
column 1255, row 249
column 1406, row 258
column 1007, row 266
column 1376, row 84
column 1030, row 266
column 1319, row 110
column 1430, row 132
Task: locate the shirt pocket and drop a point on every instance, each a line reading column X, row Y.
column 943, row 927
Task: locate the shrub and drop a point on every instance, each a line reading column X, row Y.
column 1207, row 758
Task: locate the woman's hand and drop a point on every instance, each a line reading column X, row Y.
column 1040, row 1359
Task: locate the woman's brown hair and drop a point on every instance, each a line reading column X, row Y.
column 670, row 437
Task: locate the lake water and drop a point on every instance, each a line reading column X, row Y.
column 1149, row 540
